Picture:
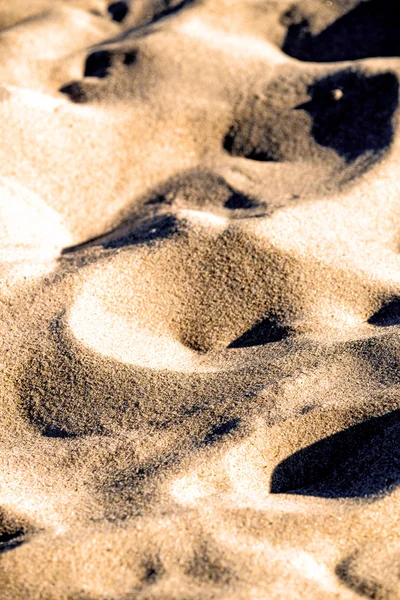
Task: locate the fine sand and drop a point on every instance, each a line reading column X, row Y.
column 199, row 300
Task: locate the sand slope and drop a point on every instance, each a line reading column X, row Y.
column 199, row 300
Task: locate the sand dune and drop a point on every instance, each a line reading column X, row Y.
column 199, row 300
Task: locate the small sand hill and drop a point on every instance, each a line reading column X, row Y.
column 199, row 300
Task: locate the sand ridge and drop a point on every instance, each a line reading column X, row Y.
column 199, row 300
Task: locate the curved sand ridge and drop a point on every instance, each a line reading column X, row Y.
column 200, row 283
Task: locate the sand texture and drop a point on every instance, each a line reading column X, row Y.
column 199, row 300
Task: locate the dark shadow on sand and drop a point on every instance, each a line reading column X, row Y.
column 388, row 315
column 11, row 540
column 362, row 461
column 161, row 227
column 352, row 112
column 369, row 30
column 264, row 332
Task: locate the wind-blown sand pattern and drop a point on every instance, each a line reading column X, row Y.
column 199, row 300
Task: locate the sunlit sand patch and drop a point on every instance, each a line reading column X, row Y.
column 31, row 232
column 295, row 561
column 232, row 43
column 204, row 218
column 132, row 343
column 236, row 477
column 190, row 489
column 33, row 98
column 20, row 492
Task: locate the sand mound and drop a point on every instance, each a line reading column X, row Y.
column 199, row 300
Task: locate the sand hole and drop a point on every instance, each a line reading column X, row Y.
column 352, row 111
column 153, row 570
column 201, row 189
column 118, row 11
column 98, row 64
column 130, row 58
column 75, row 92
column 238, row 145
column 239, row 201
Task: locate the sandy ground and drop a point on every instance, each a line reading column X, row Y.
column 199, row 300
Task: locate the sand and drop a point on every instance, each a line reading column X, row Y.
column 199, row 300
